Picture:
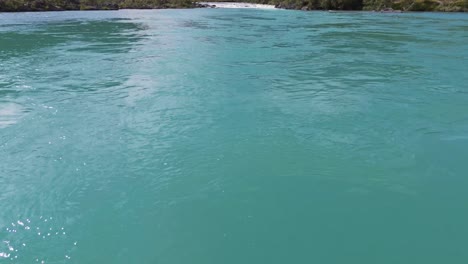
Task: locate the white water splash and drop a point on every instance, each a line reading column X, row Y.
column 31, row 238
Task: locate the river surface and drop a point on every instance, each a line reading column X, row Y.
column 233, row 136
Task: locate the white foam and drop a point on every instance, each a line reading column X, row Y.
column 237, row 5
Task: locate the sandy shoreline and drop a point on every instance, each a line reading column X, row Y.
column 237, row 5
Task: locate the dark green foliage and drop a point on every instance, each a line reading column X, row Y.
column 56, row 5
column 150, row 4
column 418, row 5
column 424, row 5
column 31, row 5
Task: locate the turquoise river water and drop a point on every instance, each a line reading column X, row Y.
column 216, row 136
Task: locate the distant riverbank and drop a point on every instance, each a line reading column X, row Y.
column 367, row 5
column 64, row 5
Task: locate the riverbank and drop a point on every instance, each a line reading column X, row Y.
column 385, row 6
column 356, row 5
column 64, row 5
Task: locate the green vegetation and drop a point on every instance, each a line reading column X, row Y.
column 152, row 4
column 24, row 5
column 404, row 5
column 418, row 5
column 56, row 5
